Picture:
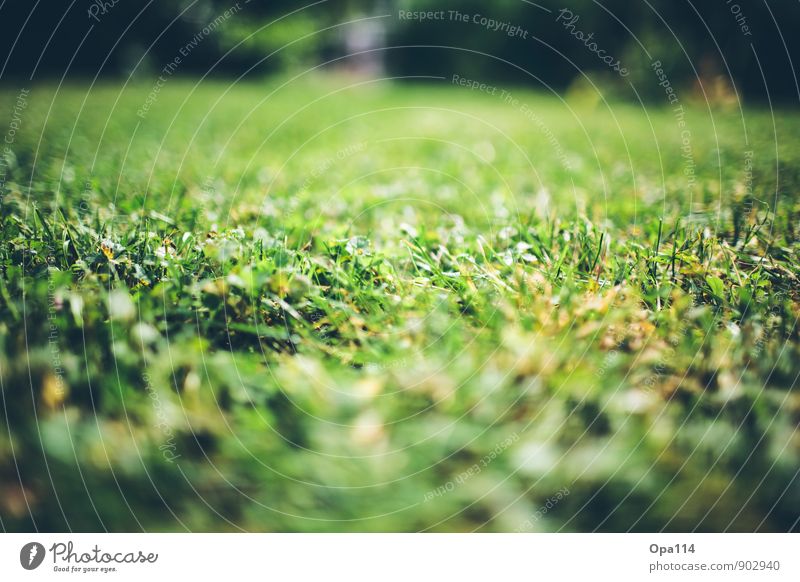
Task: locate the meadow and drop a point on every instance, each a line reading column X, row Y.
column 335, row 304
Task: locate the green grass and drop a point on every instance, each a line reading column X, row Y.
column 315, row 307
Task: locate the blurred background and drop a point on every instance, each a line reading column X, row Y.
column 725, row 46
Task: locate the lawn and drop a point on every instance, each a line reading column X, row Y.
column 346, row 305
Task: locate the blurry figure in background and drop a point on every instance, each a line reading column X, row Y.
column 363, row 41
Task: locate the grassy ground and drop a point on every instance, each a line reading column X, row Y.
column 317, row 307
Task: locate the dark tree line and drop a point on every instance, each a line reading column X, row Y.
column 751, row 43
